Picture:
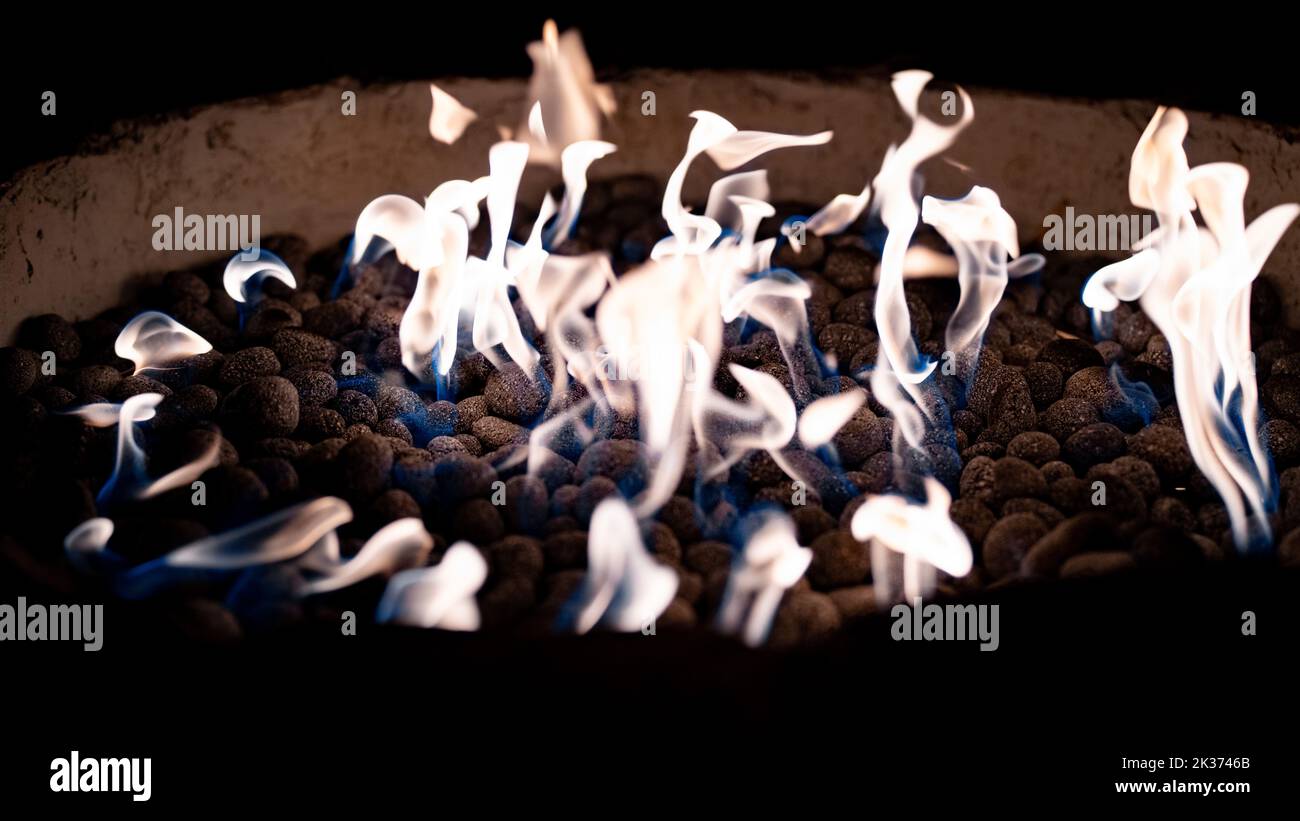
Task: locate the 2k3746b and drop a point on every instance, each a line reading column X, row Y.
column 1220, row 763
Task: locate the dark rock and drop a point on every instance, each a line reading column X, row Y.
column 838, row 560
column 263, row 407
column 1009, row 540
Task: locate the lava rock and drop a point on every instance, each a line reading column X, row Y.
column 977, row 480
column 1046, row 383
column 512, row 395
column 1014, row 478
column 1066, row 416
column 527, row 504
column 364, row 465
column 357, row 408
column 1091, row 444
column 315, row 387
column 263, row 407
column 804, row 617
column 838, row 560
column 516, row 557
column 497, row 433
column 1165, row 449
column 51, row 332
column 19, row 369
column 294, row 346
column 477, row 521
column 1035, row 447
column 1089, row 565
column 974, row 518
column 849, row 268
column 1008, row 541
column 1070, row 355
column 461, row 476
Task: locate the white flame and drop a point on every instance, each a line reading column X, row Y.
column 152, row 339
column 824, row 417
column 625, row 588
column 574, row 162
column 771, row 563
column 563, row 88
column 448, row 119
column 898, row 371
column 982, row 235
column 1195, row 284
column 277, row 537
column 87, row 540
column 396, row 546
column 130, row 479
column 839, row 213
column 495, row 322
column 923, row 534
column 240, row 271
column 441, row 596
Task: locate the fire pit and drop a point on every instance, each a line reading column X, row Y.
column 643, row 365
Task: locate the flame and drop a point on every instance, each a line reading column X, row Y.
column 495, row 322
column 922, row 533
column 574, row 162
column 396, row 546
column 1194, row 284
column 280, row 536
column 563, row 88
column 824, row 417
column 625, row 588
column 86, row 542
column 152, row 339
column 899, row 371
column 437, row 597
column 448, row 119
column 130, row 478
column 839, row 213
column 771, row 563
column 242, row 277
column 982, row 235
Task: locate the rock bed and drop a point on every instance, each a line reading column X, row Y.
column 1043, row 420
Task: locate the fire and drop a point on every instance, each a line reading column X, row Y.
column 564, row 93
column 396, row 546
column 280, row 536
column 923, row 534
column 626, row 589
column 130, row 479
column 771, row 563
column 243, row 277
column 441, row 596
column 647, row 343
column 448, row 119
column 1194, row 283
column 152, row 339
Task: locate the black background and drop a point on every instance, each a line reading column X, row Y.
column 1085, row 675
column 148, row 61
column 1143, row 668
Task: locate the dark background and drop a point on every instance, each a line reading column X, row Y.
column 105, row 66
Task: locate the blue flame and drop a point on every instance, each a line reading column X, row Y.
column 1140, row 405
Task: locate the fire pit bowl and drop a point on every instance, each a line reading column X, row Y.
column 78, row 233
column 77, row 229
